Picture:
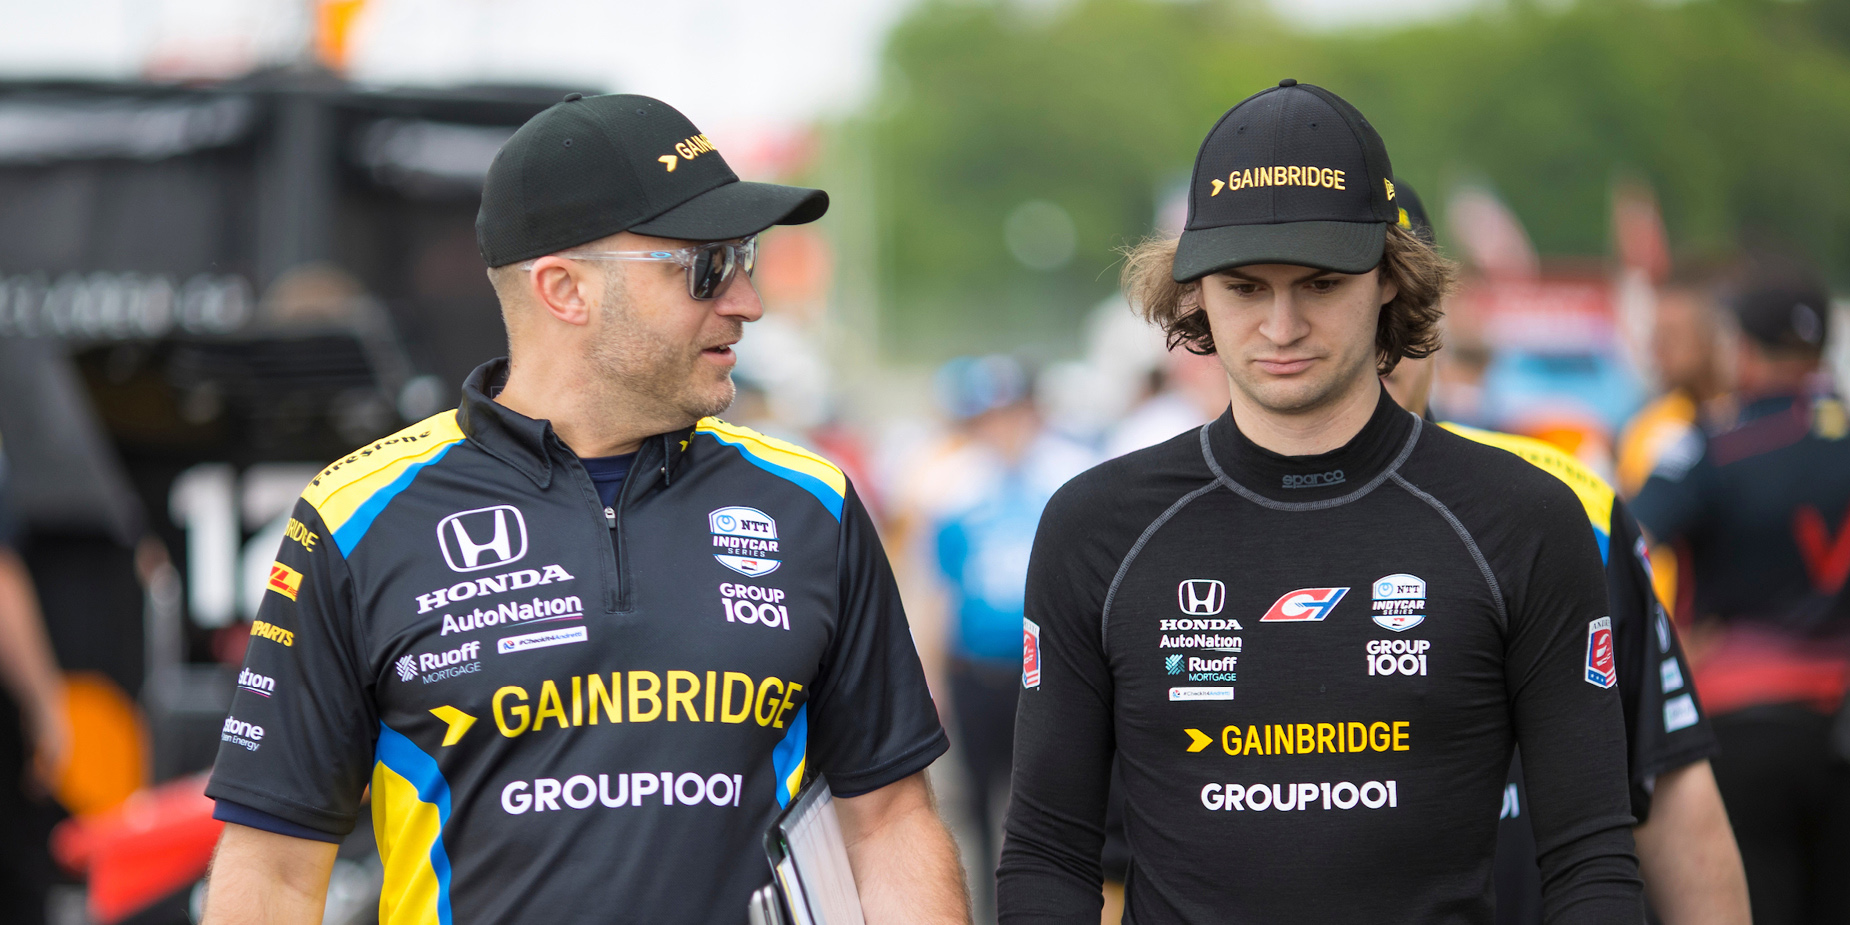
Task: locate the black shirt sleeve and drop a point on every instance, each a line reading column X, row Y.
column 1064, row 744
column 298, row 743
column 1567, row 717
column 228, row 811
column 1663, row 720
column 872, row 717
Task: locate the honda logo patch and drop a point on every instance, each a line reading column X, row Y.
column 1201, row 597
column 486, row 537
column 1602, row 669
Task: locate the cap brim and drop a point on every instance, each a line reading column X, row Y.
column 735, row 210
column 1344, row 247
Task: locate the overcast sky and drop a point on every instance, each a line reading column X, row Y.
column 734, row 66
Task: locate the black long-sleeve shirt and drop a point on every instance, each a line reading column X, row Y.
column 1312, row 671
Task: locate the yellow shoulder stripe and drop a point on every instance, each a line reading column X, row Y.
column 1594, row 494
column 352, row 491
column 808, row 471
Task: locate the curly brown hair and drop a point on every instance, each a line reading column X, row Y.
column 1409, row 325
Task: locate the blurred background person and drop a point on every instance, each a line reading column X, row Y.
column 1759, row 509
column 1188, row 390
column 1685, row 348
column 1008, row 463
column 34, row 735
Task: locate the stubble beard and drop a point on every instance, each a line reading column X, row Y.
column 1302, row 397
column 666, row 378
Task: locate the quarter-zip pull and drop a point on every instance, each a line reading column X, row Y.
column 610, row 517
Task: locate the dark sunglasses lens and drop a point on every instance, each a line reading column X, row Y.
column 712, row 271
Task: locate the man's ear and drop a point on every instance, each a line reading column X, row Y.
column 1389, row 288
column 562, row 288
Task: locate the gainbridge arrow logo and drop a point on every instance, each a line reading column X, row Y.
column 458, row 721
column 1197, row 740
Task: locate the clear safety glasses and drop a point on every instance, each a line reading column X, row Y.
column 710, row 267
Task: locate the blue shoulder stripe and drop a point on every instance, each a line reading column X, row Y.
column 361, row 520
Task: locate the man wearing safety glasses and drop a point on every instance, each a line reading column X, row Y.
column 583, row 639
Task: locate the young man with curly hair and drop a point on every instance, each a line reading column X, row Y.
column 1311, row 633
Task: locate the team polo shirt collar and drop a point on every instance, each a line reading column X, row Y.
column 527, row 444
column 1380, row 446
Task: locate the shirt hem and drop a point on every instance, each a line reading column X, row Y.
column 911, row 762
column 320, row 820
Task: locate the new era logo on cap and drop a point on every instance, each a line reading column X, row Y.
column 1294, row 175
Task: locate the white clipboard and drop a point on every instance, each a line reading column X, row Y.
column 809, row 864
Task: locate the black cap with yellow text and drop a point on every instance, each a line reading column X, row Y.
column 1294, row 175
column 589, row 167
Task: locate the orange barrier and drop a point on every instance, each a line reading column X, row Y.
column 109, row 746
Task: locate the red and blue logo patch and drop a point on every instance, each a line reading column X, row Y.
column 1030, row 653
column 1602, row 669
column 1305, row 605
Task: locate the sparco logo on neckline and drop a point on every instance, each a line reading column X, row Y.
column 493, row 584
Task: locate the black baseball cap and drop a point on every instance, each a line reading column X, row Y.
column 1791, row 315
column 1293, row 174
column 591, row 166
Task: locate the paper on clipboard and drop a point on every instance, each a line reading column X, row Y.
column 810, row 860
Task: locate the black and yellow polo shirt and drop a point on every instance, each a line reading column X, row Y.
column 564, row 711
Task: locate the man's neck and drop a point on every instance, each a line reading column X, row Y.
column 587, row 414
column 1318, row 430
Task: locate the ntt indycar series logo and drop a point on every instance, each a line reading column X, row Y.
column 745, row 536
column 1400, row 602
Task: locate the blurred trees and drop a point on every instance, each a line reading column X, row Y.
column 1736, row 111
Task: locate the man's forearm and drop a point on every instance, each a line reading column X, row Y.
column 262, row 878
column 905, row 863
column 1687, row 854
column 28, row 668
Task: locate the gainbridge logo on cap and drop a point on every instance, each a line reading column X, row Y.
column 1293, row 175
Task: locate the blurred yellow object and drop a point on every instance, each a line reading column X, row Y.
column 109, row 746
column 1648, row 434
column 1664, row 576
column 334, row 21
